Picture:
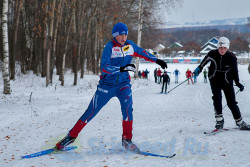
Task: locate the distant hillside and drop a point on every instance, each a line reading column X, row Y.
column 236, row 24
column 198, row 32
column 238, row 28
column 233, row 28
column 235, row 21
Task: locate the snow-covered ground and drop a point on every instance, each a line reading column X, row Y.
column 35, row 117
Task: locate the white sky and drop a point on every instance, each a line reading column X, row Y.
column 204, row 10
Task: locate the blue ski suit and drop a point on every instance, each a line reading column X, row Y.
column 114, row 83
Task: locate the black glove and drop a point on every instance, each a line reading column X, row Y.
column 162, row 63
column 128, row 67
column 239, row 85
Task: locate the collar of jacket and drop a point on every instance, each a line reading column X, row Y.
column 118, row 44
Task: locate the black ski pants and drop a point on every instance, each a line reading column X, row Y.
column 166, row 86
column 228, row 89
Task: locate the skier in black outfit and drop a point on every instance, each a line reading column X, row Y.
column 222, row 72
column 166, row 80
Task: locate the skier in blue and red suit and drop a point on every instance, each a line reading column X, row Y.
column 114, row 82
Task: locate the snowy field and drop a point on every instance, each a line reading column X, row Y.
column 34, row 118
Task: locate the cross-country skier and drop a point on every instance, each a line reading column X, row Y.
column 205, row 76
column 165, row 81
column 114, row 82
column 176, row 73
column 189, row 74
column 155, row 75
column 159, row 75
column 222, row 72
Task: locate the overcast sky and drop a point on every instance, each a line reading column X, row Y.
column 204, row 10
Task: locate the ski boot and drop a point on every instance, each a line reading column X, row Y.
column 219, row 124
column 243, row 125
column 64, row 142
column 130, row 146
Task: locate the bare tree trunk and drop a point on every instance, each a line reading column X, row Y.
column 6, row 75
column 48, row 71
column 44, row 55
column 80, row 30
column 137, row 60
column 95, row 47
column 66, row 45
column 18, row 7
column 74, row 58
column 59, row 14
column 86, row 39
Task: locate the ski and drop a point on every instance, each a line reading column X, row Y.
column 46, row 152
column 143, row 153
column 215, row 131
column 155, row 155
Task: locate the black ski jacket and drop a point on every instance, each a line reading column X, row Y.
column 222, row 68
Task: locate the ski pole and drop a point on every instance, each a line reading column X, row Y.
column 179, row 84
column 235, row 94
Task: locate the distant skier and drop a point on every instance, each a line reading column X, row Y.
column 205, row 76
column 222, row 72
column 146, row 73
column 165, row 81
column 159, row 75
column 176, row 73
column 139, row 74
column 189, row 74
column 114, row 82
column 143, row 74
column 155, row 75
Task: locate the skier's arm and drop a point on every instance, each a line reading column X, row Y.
column 198, row 70
column 236, row 73
column 140, row 52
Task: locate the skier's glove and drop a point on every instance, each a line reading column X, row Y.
column 197, row 71
column 239, row 85
column 128, row 67
column 162, row 63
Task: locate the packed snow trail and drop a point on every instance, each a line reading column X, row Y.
column 175, row 121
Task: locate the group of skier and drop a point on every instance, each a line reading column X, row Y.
column 115, row 82
column 143, row 74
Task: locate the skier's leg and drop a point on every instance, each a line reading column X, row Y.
column 162, row 87
column 166, row 86
column 231, row 102
column 217, row 102
column 125, row 98
column 100, row 99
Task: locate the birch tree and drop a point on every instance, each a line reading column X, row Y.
column 139, row 30
column 6, row 75
column 48, row 71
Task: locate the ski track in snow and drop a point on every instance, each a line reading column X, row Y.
column 181, row 116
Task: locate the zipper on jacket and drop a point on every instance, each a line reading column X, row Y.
column 221, row 63
column 120, row 65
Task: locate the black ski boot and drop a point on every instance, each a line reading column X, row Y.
column 64, row 142
column 130, row 146
column 219, row 124
column 243, row 125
